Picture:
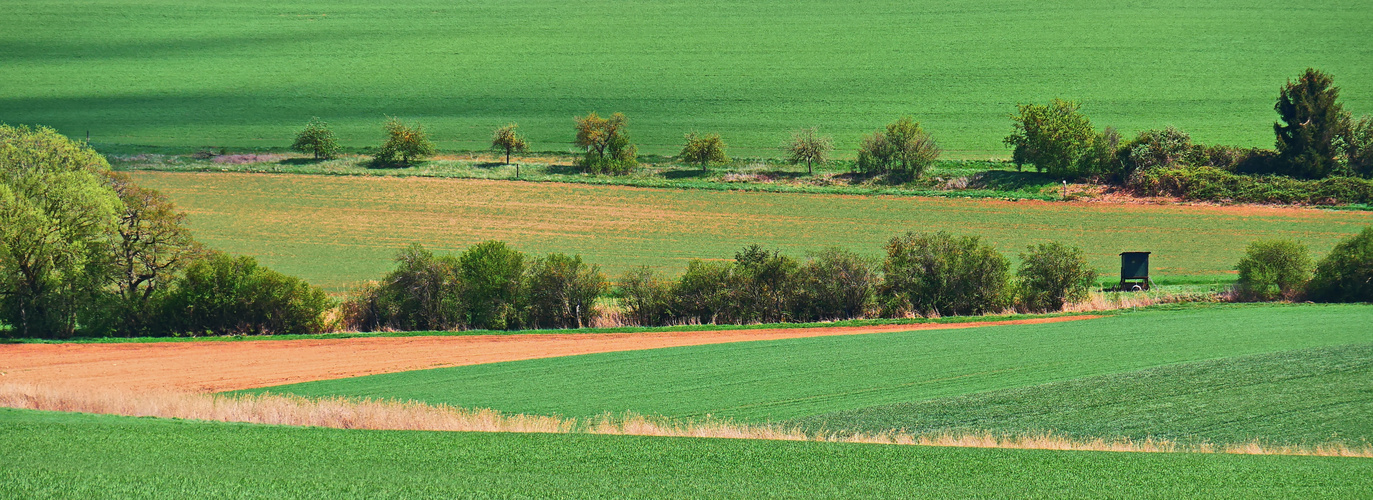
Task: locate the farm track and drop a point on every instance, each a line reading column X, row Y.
column 226, row 366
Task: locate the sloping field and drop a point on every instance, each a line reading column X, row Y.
column 75, row 455
column 1292, row 397
column 788, row 379
column 250, row 72
column 213, row 366
column 334, row 231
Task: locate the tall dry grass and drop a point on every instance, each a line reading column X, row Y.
column 393, row 415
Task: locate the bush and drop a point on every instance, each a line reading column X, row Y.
column 703, row 150
column 1346, row 274
column 1053, row 274
column 1358, row 148
column 404, row 144
column 422, row 293
column 316, row 139
column 562, row 291
column 491, row 273
column 1102, row 159
column 225, row 295
column 1211, row 184
column 942, row 274
column 606, row 140
column 1157, row 149
column 1272, row 270
column 905, row 150
column 835, row 284
column 762, row 287
column 702, row 294
column 1052, row 137
column 646, row 298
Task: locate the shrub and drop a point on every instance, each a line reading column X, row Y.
column 702, row 294
column 316, row 139
column 646, row 298
column 404, row 144
column 905, row 149
column 1053, row 274
column 1052, row 137
column 1311, row 120
column 491, row 273
column 606, row 140
column 562, row 291
column 1156, row 149
column 1211, row 184
column 809, row 148
column 508, row 140
column 1102, row 159
column 835, row 284
column 703, row 150
column 1358, row 148
column 223, row 295
column 942, row 274
column 424, row 292
column 1346, row 274
column 1272, row 270
column 763, row 286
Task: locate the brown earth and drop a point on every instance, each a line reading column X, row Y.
column 226, row 365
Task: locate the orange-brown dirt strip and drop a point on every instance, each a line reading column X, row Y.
column 225, row 366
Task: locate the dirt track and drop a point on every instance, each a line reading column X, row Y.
column 224, row 366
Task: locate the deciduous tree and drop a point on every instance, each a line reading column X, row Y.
column 1051, row 137
column 316, row 139
column 404, row 144
column 808, row 147
column 607, row 145
column 153, row 245
column 703, row 150
column 507, row 139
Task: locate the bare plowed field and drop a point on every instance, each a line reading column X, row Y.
column 228, row 365
column 333, row 231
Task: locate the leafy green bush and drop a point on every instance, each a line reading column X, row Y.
column 225, row 295
column 835, row 284
column 1274, row 269
column 905, row 150
column 561, row 292
column 1346, row 274
column 942, row 274
column 702, row 294
column 646, row 298
column 1156, row 149
column 491, row 273
column 1052, row 137
column 1052, row 274
column 762, row 286
column 422, row 293
column 316, row 139
column 606, row 140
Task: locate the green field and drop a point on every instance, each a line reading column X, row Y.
column 73, row 455
column 334, row 231
column 1304, row 396
column 249, row 73
column 790, row 380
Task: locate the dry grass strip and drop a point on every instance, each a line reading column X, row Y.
column 343, row 413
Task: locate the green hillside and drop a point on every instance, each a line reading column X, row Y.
column 248, row 73
column 86, row 456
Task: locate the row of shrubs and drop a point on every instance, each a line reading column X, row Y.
column 491, row 286
column 1206, row 183
column 1283, row 269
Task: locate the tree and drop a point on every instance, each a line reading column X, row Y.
column 1271, row 270
column 1311, row 118
column 404, row 144
column 1051, row 137
column 703, row 150
column 491, row 273
column 607, row 145
column 316, row 139
column 424, row 292
column 1358, row 147
column 57, row 221
column 153, row 245
column 905, row 149
column 224, row 295
column 647, row 299
column 809, row 148
column 942, row 274
column 764, row 285
column 1346, row 273
column 835, row 284
column 506, row 138
column 1053, row 274
column 562, row 291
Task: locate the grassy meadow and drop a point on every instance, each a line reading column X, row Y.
column 334, row 231
column 849, row 383
column 249, row 73
column 79, row 455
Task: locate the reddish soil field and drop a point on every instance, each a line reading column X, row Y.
column 224, row 365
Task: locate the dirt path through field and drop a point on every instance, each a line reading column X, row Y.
column 224, row 365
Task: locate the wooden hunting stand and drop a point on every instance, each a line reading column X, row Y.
column 1134, row 271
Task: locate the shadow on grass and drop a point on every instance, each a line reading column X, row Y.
column 490, row 164
column 685, row 174
column 301, row 161
column 1006, row 180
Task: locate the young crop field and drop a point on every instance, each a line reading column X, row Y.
column 334, row 231
column 791, row 380
column 76, row 455
column 250, row 73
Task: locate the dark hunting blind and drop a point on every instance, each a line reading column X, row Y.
column 1134, row 271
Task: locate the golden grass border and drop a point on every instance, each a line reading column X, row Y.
column 344, row 413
